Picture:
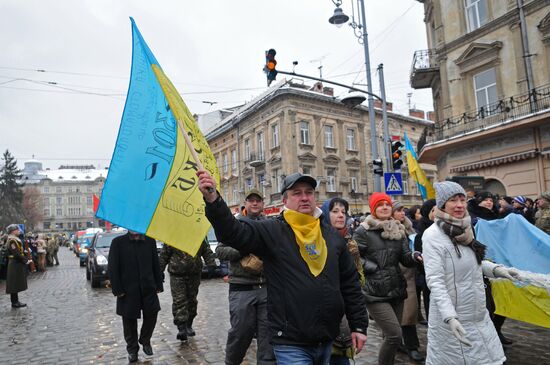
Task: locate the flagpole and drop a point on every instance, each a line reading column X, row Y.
column 189, row 144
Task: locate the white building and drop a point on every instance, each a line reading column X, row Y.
column 67, row 194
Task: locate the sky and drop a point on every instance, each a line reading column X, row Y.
column 65, row 64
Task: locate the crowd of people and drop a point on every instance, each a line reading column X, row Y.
column 306, row 282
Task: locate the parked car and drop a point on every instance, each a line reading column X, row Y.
column 98, row 253
column 84, row 243
column 222, row 267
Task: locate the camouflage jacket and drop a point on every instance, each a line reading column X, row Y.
column 543, row 219
column 180, row 263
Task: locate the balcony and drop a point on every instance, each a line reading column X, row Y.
column 424, row 69
column 531, row 108
column 256, row 160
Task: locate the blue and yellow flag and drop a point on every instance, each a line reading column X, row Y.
column 424, row 185
column 151, row 186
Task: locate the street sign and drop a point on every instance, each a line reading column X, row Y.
column 393, row 183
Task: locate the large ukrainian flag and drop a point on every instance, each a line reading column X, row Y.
column 424, row 185
column 151, row 187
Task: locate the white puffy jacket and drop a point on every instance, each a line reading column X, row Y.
column 458, row 291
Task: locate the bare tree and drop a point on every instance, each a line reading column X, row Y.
column 32, row 206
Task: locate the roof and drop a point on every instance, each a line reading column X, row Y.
column 65, row 175
column 284, row 88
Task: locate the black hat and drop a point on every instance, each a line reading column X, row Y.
column 482, row 195
column 297, row 177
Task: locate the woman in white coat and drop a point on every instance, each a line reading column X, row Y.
column 460, row 330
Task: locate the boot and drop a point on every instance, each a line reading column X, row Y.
column 182, row 333
column 189, row 329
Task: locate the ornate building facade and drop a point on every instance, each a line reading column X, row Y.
column 293, row 128
column 488, row 68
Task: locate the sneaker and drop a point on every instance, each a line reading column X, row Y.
column 18, row 305
column 132, row 357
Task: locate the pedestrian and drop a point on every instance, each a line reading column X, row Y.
column 460, row 329
column 383, row 245
column 428, row 215
column 247, row 294
column 311, row 275
column 55, row 249
column 49, row 250
column 185, row 278
column 335, row 213
column 505, row 206
column 409, row 319
column 16, row 280
column 542, row 217
column 41, row 251
column 414, row 216
column 136, row 280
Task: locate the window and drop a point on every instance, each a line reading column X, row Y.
column 58, row 189
column 331, row 180
column 485, row 85
column 46, row 189
column 304, row 132
column 275, row 135
column 226, row 194
column 234, row 159
column 306, row 170
column 329, row 136
column 47, row 225
column 89, row 200
column 46, row 201
column 59, row 211
column 247, row 150
column 405, row 183
column 350, row 139
column 58, row 200
column 278, row 180
column 46, row 212
column 261, row 179
column 476, row 13
column 235, row 194
column 225, row 163
column 260, row 141
column 89, row 189
column 248, row 182
column 353, row 184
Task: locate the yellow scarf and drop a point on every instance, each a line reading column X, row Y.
column 309, row 238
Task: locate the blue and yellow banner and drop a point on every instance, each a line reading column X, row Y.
column 151, row 186
column 424, row 185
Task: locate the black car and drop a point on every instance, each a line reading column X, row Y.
column 98, row 253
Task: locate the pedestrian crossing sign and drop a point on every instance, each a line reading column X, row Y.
column 393, row 183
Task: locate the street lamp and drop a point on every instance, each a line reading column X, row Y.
column 360, row 31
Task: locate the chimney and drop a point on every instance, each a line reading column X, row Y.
column 416, row 113
column 378, row 105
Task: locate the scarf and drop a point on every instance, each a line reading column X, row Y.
column 309, row 239
column 391, row 228
column 460, row 232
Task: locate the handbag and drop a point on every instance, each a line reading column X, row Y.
column 252, row 264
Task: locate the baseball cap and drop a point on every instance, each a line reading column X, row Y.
column 254, row 192
column 295, row 178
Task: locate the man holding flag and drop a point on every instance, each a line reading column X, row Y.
column 313, row 280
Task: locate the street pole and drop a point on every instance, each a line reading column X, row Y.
column 374, row 144
column 385, row 118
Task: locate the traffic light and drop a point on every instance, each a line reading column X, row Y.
column 270, row 65
column 396, row 154
column 378, row 168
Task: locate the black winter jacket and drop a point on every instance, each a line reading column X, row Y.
column 384, row 280
column 302, row 309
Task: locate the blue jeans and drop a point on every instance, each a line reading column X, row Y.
column 303, row 355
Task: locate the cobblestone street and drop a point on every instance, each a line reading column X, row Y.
column 68, row 322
